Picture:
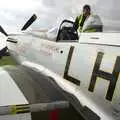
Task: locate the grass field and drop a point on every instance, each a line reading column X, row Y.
column 7, row 60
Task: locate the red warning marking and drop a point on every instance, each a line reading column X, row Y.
column 54, row 115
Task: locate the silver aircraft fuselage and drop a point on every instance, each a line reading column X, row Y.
column 88, row 68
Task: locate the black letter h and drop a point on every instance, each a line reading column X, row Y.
column 107, row 76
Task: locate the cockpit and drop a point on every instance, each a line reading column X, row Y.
column 67, row 29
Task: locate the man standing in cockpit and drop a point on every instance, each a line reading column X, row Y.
column 93, row 24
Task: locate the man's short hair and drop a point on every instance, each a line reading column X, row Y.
column 86, row 7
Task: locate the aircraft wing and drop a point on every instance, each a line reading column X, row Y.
column 20, row 85
column 34, row 84
column 87, row 108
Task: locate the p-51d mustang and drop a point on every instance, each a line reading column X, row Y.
column 84, row 72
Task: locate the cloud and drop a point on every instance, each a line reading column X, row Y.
column 109, row 12
column 15, row 13
column 64, row 9
column 50, row 13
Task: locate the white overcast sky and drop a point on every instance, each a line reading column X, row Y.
column 49, row 12
column 14, row 13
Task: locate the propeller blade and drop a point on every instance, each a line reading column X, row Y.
column 29, row 22
column 3, row 31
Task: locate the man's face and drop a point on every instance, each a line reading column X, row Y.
column 86, row 11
